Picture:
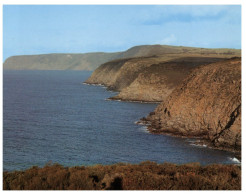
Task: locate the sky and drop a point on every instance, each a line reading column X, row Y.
column 40, row 29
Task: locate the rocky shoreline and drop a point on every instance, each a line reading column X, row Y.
column 200, row 140
column 148, row 79
column 199, row 96
column 203, row 140
column 205, row 103
column 115, row 98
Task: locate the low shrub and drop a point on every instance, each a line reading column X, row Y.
column 121, row 176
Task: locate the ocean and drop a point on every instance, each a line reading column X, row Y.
column 52, row 117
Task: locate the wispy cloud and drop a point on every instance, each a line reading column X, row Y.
column 190, row 13
column 80, row 29
column 182, row 17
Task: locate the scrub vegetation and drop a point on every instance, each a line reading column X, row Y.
column 143, row 176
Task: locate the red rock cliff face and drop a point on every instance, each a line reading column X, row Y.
column 206, row 104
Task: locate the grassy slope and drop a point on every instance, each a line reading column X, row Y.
column 90, row 61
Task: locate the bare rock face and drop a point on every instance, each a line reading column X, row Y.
column 157, row 81
column 207, row 104
column 118, row 74
column 150, row 73
column 149, row 79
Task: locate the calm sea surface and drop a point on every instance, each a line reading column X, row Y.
column 50, row 116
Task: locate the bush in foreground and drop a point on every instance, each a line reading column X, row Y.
column 144, row 176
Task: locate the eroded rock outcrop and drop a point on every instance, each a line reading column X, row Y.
column 149, row 79
column 119, row 74
column 207, row 104
column 157, row 81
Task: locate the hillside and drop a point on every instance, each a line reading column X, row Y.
column 206, row 104
column 90, row 61
column 152, row 78
column 155, row 82
column 150, row 50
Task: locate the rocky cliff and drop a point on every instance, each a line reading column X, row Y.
column 155, row 82
column 149, row 79
column 119, row 74
column 206, row 104
column 90, row 61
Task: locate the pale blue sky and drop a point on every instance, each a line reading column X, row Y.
column 39, row 29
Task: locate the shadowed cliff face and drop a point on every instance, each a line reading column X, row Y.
column 119, row 74
column 206, row 104
column 157, row 81
column 149, row 79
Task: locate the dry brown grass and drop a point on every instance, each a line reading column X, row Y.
column 144, row 176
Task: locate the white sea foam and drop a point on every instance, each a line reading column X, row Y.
column 86, row 83
column 142, row 102
column 108, row 99
column 199, row 145
column 192, row 140
column 93, row 84
column 235, row 160
column 141, row 123
column 144, row 129
column 133, row 101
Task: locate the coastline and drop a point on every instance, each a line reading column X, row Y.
column 114, row 98
column 132, row 100
column 203, row 140
column 166, row 176
column 154, row 130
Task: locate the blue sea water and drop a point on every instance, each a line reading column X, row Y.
column 51, row 116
